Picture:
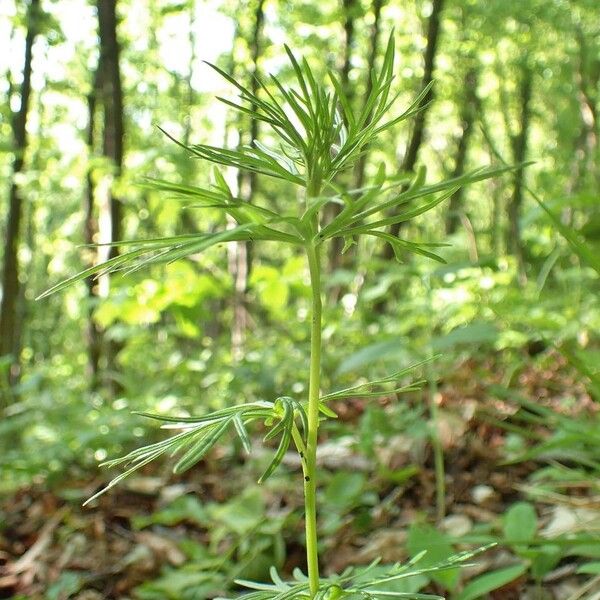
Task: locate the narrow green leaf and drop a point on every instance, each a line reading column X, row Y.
column 254, row 114
column 343, row 98
column 398, row 245
column 186, row 191
column 415, row 107
column 585, row 253
column 363, row 389
column 112, row 263
column 474, row 176
column 286, row 436
column 200, row 448
column 214, row 416
column 423, row 537
column 404, row 216
column 122, row 476
column 285, row 419
column 242, row 433
column 299, row 75
column 328, row 412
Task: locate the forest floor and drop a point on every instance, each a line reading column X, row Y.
column 53, row 548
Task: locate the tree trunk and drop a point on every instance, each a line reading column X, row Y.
column 9, row 326
column 112, row 102
column 586, row 145
column 94, row 332
column 187, row 167
column 416, row 138
column 496, row 233
column 373, row 52
column 111, row 95
column 467, row 118
column 240, row 253
column 418, row 131
column 36, row 164
column 349, row 7
column 191, row 93
column 335, row 258
column 519, row 148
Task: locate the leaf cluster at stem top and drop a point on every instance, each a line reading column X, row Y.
column 320, row 133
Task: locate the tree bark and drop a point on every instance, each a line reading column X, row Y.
column 468, row 114
column 416, row 138
column 240, row 254
column 519, row 147
column 335, row 257
column 373, row 52
column 191, row 93
column 433, row 35
column 187, row 167
column 94, row 332
column 112, row 102
column 349, row 8
column 9, row 326
column 586, row 146
column 110, row 93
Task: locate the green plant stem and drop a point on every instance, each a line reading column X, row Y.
column 310, row 471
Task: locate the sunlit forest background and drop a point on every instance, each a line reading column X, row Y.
column 502, row 441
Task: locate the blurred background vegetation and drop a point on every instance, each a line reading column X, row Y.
column 85, row 86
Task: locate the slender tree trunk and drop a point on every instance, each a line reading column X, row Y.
column 497, row 233
column 519, row 147
column 349, row 7
column 93, row 331
column 586, row 146
column 188, row 223
column 112, row 101
column 111, row 94
column 255, row 52
column 468, row 114
column 497, row 236
column 433, row 35
column 416, row 138
column 335, row 258
column 9, row 326
column 37, row 163
column 373, row 53
column 191, row 93
column 240, row 254
column 585, row 163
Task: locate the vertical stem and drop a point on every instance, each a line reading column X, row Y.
column 310, row 483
